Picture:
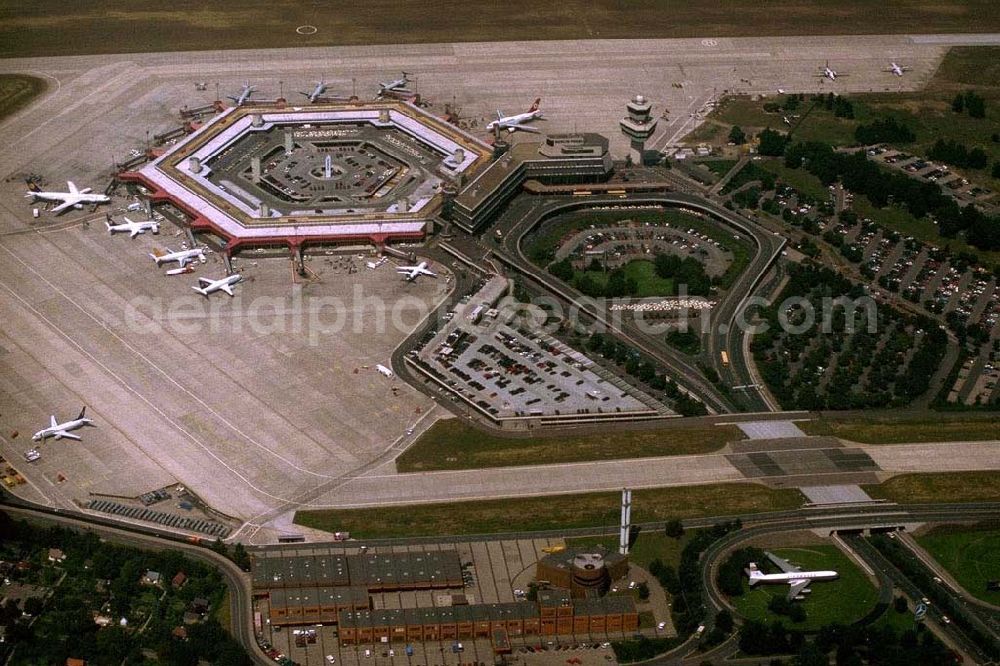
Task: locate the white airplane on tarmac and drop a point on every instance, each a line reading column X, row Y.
column 797, row 579
column 514, row 123
column 898, row 70
column 829, row 73
column 410, row 273
column 209, row 286
column 316, row 93
column 134, row 228
column 397, row 86
column 245, row 94
column 75, row 198
column 60, row 430
column 182, row 257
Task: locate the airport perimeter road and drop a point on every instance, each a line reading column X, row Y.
column 379, row 489
column 240, row 599
column 723, row 333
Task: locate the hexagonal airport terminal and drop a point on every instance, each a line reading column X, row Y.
column 327, row 173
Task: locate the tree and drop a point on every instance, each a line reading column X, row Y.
column 899, row 604
column 241, row 557
column 643, row 590
column 737, row 135
column 772, row 143
column 724, row 620
column 674, row 528
column 958, row 104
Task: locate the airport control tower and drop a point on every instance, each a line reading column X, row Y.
column 638, row 126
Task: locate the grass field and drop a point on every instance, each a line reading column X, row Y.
column 800, row 179
column 551, row 513
column 453, row 444
column 107, row 26
column 719, row 167
column 844, row 600
column 971, row 556
column 648, row 546
column 901, row 430
column 943, row 487
column 647, row 282
column 17, row 91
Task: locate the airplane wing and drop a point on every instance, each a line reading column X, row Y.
column 67, row 435
column 72, row 187
column 783, row 564
column 528, row 128
column 499, row 114
column 135, row 232
column 53, row 422
column 182, row 261
column 424, row 271
column 63, row 206
column 405, row 269
column 796, row 587
column 204, row 281
column 228, row 289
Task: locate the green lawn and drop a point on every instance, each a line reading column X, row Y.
column 971, row 556
column 844, row 600
column 17, row 91
column 899, row 622
column 597, row 510
column 454, row 444
column 800, row 179
column 648, row 546
column 901, row 429
column 106, row 26
column 719, row 167
column 941, row 487
column 647, row 283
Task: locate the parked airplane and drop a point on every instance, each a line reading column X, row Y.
column 384, row 370
column 60, row 430
column 410, row 273
column 797, row 579
column 245, row 94
column 75, row 198
column 134, row 228
column 896, row 69
column 225, row 284
column 316, row 93
column 829, row 73
column 398, row 86
column 514, row 123
column 182, row 257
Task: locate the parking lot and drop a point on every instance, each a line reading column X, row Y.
column 483, row 355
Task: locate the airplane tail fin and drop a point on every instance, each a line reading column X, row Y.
column 754, row 573
column 33, row 186
column 83, row 413
column 108, row 225
column 534, row 107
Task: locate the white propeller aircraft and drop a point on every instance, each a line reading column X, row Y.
column 244, row 95
column 797, row 579
column 209, row 286
column 898, row 70
column 75, row 198
column 514, row 123
column 829, row 73
column 410, row 273
column 60, row 430
column 316, row 93
column 182, row 257
column 397, row 86
column 134, row 228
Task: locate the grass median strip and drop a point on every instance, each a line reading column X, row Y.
column 453, row 444
column 550, row 513
column 17, row 91
column 941, row 487
column 902, row 429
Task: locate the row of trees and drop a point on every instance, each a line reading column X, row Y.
column 971, row 103
column 958, row 154
column 645, row 371
column 884, row 130
column 859, row 175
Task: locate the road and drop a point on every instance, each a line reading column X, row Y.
column 519, row 221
